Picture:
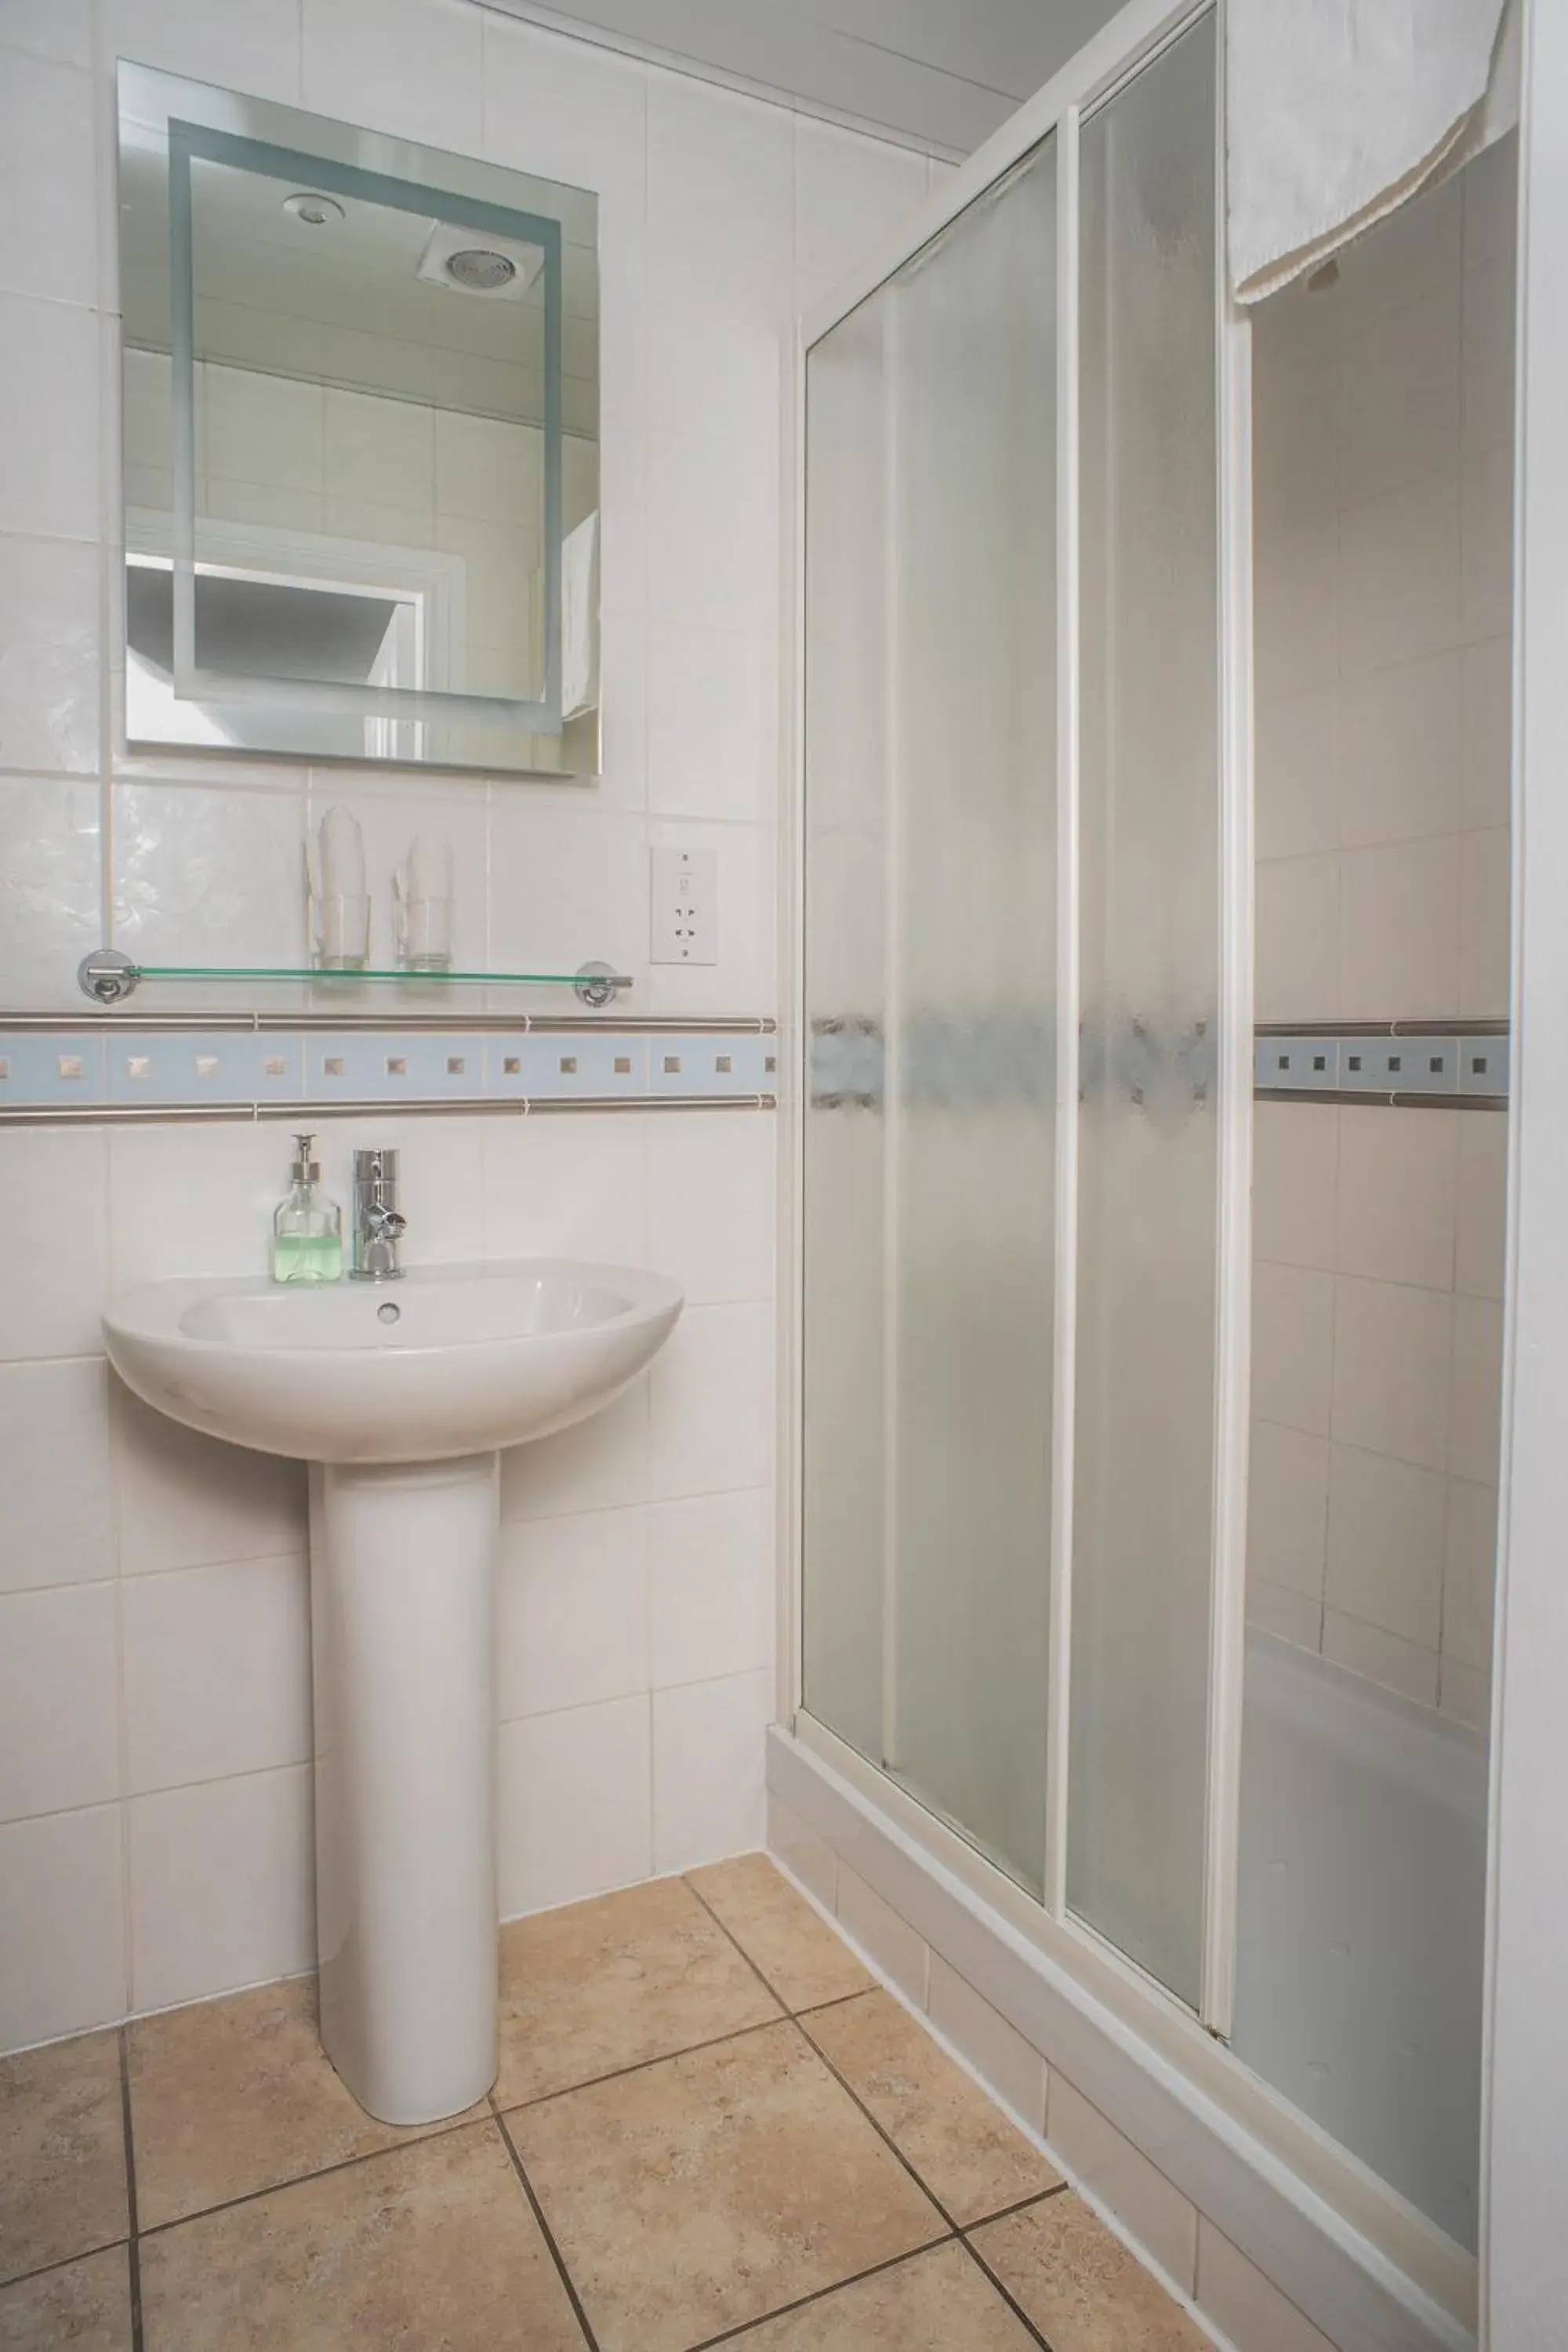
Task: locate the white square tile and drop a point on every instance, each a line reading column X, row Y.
column 268, row 429
column 565, row 110
column 1470, row 1576
column 382, row 449
column 188, row 1501
column 1392, row 1352
column 1245, row 2308
column 573, row 1611
column 1485, row 886
column 217, row 1671
column 1297, row 975
column 1292, row 1347
column 1295, row 1169
column 714, row 530
column 61, row 29
column 222, row 1887
column 597, row 1465
column 711, row 1562
column 1464, row 1693
column 1482, row 1220
column 713, row 742
column 48, row 179
column 744, row 978
column 1401, row 743
column 1487, row 733
column 1296, row 616
column 412, row 67
column 1399, row 931
column 1399, row 573
column 59, row 1736
column 1487, row 356
column 486, row 469
column 711, row 1403
column 1296, row 771
column 1295, row 450
column 797, row 1849
column 254, row 49
column 566, row 1186
column 1387, row 1537
column 568, row 887
column 1474, row 1437
column 62, row 1926
column 54, row 1473
column 1399, row 392
column 710, row 1214
column 55, row 1276
column 1111, row 2168
column 49, row 714
column 850, row 193
column 1489, row 188
column 1384, row 1658
column 713, row 319
column 1288, row 1508
column 708, row 1755
column 1406, row 254
column 192, row 1200
column 1288, row 1616
column 720, row 170
column 997, row 2050
column 49, row 393
column 205, row 875
column 1397, row 1194
column 892, row 1945
column 575, row 1805
column 1486, row 533
column 52, row 891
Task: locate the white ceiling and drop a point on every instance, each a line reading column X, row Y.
column 934, row 73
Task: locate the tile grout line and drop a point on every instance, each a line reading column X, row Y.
column 133, row 2247
column 992, row 2280
column 822, row 2293
column 638, row 2066
column 469, row 2118
column 545, row 2231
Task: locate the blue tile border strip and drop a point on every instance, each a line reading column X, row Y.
column 238, row 1067
column 1457, row 1065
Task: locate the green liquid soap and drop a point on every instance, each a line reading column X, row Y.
column 307, row 1258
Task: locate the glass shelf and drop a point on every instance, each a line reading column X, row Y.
column 108, row 976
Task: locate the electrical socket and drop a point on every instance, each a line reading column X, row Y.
column 684, row 897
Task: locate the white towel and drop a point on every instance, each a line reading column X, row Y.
column 1339, row 110
column 580, row 618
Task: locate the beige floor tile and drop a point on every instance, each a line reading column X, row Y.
column 431, row 2246
column 613, row 1983
column 1079, row 2285
column 85, row 2304
column 231, row 2096
column 62, row 2153
column 970, row 2156
column 688, row 2197
column 798, row 1951
column 933, row 2303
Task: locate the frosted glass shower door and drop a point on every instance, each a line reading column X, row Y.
column 930, row 834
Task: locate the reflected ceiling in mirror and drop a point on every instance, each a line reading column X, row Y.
column 360, row 442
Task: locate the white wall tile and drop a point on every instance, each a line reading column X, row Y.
column 596, row 1464
column 1485, row 535
column 1486, row 356
column 713, row 746
column 566, row 1187
column 1292, row 1347
column 1288, row 1508
column 61, row 29
column 1401, row 753
column 1491, row 195
column 1399, row 392
column 50, row 392
column 1399, row 931
column 188, row 1501
column 412, row 67
column 1296, row 773
column 800, row 1851
column 1111, row 2168
column 1400, row 574
column 217, row 1671
column 712, row 525
column 268, row 429
column 573, row 1615
column 1295, row 1153
column 555, row 107
column 1416, row 249
column 49, row 714
column 1290, row 1616
column 1487, row 733
column 575, row 1805
column 254, row 49
column 382, row 449
column 62, row 1926
column 745, row 976
column 1464, row 1693
column 720, row 170
column 891, row 1944
column 568, row 886
column 711, row 1565
column 1295, row 454
column 1470, row 1574
column 1486, row 884
column 1381, row 1658
column 710, row 1217
column 1482, row 1210
column 54, row 1276
column 1295, row 611
column 208, row 874
column 1392, row 1352
column 850, row 193
column 1297, row 975
column 59, row 1718
column 54, row 1475
column 711, row 1403
column 712, row 318
column 1396, row 1195
column 51, row 897
column 1247, row 2308
column 47, row 178
column 995, row 2049
column 709, row 1755
column 1474, row 1437
column 198, row 1199
column 222, row 1887
column 1388, row 1537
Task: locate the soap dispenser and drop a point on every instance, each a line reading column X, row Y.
column 306, row 1228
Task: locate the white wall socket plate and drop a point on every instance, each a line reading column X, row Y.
column 684, row 900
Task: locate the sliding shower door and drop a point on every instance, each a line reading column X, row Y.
column 931, row 994
column 1011, row 886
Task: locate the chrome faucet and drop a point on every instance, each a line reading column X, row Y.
column 378, row 1223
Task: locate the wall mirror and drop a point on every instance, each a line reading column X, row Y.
column 360, row 442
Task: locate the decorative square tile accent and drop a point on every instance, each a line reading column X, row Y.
column 590, row 1066
column 53, row 1070
column 359, row 1068
column 718, row 1065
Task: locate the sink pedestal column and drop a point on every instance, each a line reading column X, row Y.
column 402, row 1573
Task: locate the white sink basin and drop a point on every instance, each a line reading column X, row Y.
column 453, row 1360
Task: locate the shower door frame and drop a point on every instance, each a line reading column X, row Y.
column 1179, row 2042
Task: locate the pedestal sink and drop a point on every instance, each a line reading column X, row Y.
column 399, row 1397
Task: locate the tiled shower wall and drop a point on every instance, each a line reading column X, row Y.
column 154, row 1795
column 1383, row 419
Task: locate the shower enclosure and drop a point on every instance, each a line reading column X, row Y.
column 1026, row 1001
